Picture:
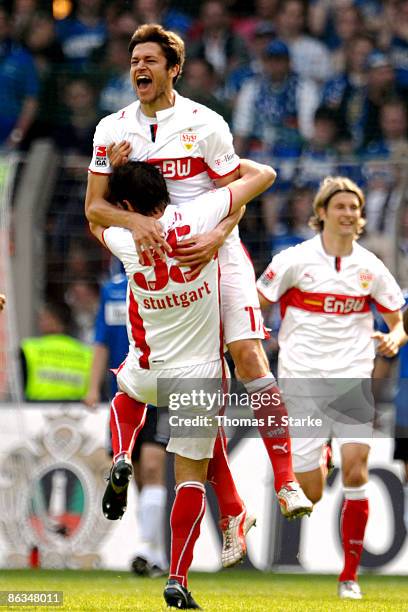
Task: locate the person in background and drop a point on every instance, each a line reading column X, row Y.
column 56, row 366
column 19, row 88
column 110, row 349
column 2, row 301
column 325, row 286
column 81, row 33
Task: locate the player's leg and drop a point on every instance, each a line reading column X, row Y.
column 309, row 462
column 150, row 553
column 149, row 464
column 234, row 522
column 354, row 516
column 270, row 411
column 186, row 514
column 243, row 331
column 185, row 521
column 126, row 421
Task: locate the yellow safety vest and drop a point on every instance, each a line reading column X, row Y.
column 58, row 368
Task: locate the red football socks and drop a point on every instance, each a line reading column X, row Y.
column 185, row 520
column 268, row 407
column 220, row 477
column 353, row 522
column 126, row 421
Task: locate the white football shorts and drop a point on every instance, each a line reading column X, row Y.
column 240, row 311
column 345, row 412
column 193, row 396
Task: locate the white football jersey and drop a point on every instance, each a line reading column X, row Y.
column 172, row 322
column 192, row 145
column 325, row 301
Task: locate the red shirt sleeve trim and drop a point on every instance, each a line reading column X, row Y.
column 102, row 173
column 103, row 238
column 381, row 308
column 214, row 175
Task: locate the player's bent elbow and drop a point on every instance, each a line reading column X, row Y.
column 270, row 176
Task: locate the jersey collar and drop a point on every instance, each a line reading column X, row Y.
column 134, row 125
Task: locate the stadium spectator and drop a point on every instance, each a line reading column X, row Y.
column 23, row 12
column 324, row 24
column 2, row 301
column 393, row 124
column 310, row 58
column 267, row 112
column 18, row 88
column 74, row 134
column 294, row 218
column 399, row 43
column 111, row 345
column 170, row 345
column 82, row 33
column 117, row 91
column 346, row 91
column 262, row 36
column 154, row 69
column 56, row 366
column 320, row 341
column 159, row 11
column 262, row 16
column 201, row 84
column 121, row 23
column 319, row 156
column 214, row 40
column 83, row 297
column 381, row 86
column 41, row 40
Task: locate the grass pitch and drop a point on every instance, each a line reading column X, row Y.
column 228, row 591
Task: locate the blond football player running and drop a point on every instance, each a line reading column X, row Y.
column 325, row 287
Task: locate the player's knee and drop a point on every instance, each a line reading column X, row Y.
column 152, row 474
column 355, row 475
column 312, row 484
column 249, row 359
column 314, row 493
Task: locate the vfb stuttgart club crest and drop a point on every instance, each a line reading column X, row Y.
column 52, row 486
column 188, row 139
column 365, row 278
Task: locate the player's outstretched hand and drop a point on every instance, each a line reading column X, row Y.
column 386, row 344
column 119, row 153
column 198, row 251
column 2, row 301
column 149, row 239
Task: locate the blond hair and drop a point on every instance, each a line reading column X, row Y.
column 327, row 189
column 171, row 44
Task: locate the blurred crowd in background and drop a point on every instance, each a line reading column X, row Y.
column 312, row 87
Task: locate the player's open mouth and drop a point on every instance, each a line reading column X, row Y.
column 143, row 83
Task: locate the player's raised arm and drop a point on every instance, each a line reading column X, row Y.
column 254, row 179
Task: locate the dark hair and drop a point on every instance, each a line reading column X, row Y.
column 61, row 311
column 171, row 44
column 141, row 184
column 326, row 113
